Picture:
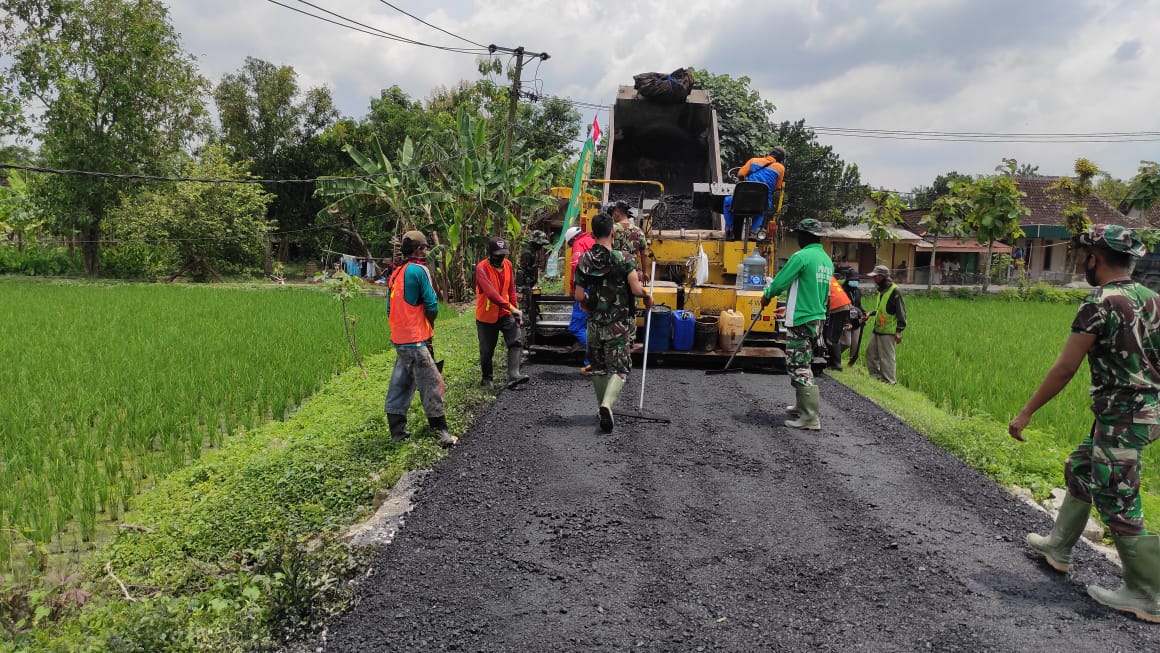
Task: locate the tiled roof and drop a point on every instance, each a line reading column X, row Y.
column 1048, row 210
column 910, row 218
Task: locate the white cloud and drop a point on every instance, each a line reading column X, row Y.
column 946, row 65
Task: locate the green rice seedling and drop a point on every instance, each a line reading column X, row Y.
column 108, row 386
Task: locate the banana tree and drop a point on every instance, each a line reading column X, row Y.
column 18, row 216
column 482, row 198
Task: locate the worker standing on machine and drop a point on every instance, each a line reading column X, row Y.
column 806, row 275
column 605, row 284
column 769, row 170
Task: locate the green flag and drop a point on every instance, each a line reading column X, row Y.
column 571, row 217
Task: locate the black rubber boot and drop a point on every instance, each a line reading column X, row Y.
column 514, row 358
column 835, row 362
column 440, row 426
column 398, row 424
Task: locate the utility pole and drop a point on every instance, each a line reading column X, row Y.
column 520, row 53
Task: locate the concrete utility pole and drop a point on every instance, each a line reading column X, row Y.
column 520, row 53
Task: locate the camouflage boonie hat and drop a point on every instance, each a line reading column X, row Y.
column 810, row 226
column 538, row 238
column 1113, row 237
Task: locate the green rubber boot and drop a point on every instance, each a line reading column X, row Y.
column 1139, row 594
column 793, row 410
column 1056, row 547
column 809, row 401
column 600, row 384
column 615, row 385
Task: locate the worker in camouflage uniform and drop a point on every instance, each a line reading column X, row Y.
column 806, row 275
column 606, row 282
column 1118, row 328
column 629, row 238
column 528, row 273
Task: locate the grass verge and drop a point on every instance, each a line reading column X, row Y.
column 240, row 550
column 978, row 440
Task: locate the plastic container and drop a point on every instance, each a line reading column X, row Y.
column 684, row 330
column 705, row 333
column 755, row 266
column 660, row 333
column 740, row 276
column 730, row 330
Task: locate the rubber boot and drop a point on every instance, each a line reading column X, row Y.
column 615, row 385
column 515, row 377
column 398, row 424
column 1069, row 524
column 809, row 404
column 835, row 362
column 440, row 426
column 1139, row 594
column 487, row 384
column 792, row 410
column 600, row 384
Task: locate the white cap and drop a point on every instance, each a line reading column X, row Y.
column 571, row 233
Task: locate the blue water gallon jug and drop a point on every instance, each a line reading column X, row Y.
column 755, row 266
column 684, row 330
column 660, row 336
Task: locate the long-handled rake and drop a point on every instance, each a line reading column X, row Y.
column 639, row 412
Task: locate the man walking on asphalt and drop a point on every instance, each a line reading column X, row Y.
column 411, row 311
column 496, row 311
column 806, row 275
column 606, row 282
column 1118, row 328
column 889, row 320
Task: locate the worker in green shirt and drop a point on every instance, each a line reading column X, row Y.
column 806, row 276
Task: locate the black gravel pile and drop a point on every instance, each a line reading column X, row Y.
column 722, row 531
column 680, row 212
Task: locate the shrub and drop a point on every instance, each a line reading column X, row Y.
column 38, row 261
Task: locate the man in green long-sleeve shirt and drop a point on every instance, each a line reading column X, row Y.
column 806, row 275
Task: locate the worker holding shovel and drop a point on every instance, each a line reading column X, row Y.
column 606, row 282
column 806, row 275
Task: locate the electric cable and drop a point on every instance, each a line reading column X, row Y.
column 466, row 40
column 372, row 31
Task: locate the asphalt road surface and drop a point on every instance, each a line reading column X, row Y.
column 722, row 531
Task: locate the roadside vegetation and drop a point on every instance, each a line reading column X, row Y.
column 968, row 364
column 240, row 548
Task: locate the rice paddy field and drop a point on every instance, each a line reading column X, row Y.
column 104, row 388
column 986, row 357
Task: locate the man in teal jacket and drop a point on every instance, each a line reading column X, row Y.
column 806, row 275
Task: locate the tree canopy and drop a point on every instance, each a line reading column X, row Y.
column 119, row 92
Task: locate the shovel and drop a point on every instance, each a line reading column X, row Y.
column 639, row 412
column 726, row 370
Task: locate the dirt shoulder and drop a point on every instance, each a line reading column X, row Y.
column 720, row 531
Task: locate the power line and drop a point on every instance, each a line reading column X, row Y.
column 988, row 134
column 466, row 40
column 207, row 180
column 990, row 140
column 372, row 31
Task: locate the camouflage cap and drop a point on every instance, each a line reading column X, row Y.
column 810, row 226
column 1113, row 237
column 538, row 238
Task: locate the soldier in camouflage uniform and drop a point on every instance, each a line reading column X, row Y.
column 1118, row 328
column 628, row 238
column 606, row 283
column 806, row 275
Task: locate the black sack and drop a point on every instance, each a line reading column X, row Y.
column 670, row 89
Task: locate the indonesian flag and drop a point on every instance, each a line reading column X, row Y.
column 595, row 131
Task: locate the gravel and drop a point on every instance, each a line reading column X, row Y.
column 722, row 531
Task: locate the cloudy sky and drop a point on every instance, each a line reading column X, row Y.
column 994, row 66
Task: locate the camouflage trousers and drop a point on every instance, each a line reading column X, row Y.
column 799, row 353
column 609, row 347
column 1105, row 470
